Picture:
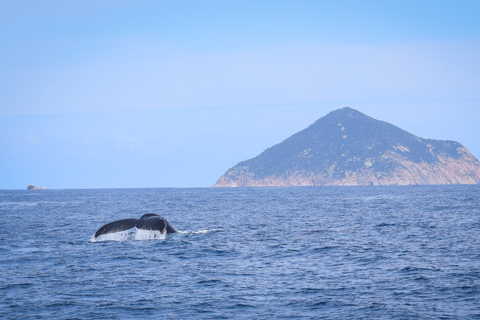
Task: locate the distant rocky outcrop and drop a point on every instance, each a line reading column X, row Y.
column 32, row 187
column 348, row 148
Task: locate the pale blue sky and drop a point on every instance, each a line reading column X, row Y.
column 173, row 93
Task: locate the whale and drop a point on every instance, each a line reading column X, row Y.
column 149, row 221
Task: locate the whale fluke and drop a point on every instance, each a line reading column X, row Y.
column 149, row 221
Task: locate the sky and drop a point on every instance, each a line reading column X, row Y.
column 131, row 94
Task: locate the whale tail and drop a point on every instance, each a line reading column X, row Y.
column 148, row 222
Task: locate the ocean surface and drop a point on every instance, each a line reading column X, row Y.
column 249, row 253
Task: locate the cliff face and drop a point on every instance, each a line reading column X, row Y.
column 349, row 148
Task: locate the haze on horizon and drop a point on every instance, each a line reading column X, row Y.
column 110, row 94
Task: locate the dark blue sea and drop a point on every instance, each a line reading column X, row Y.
column 249, row 253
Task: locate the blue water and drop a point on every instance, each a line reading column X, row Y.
column 302, row 253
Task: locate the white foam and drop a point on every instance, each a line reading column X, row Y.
column 206, row 231
column 139, row 234
column 130, row 234
column 198, row 232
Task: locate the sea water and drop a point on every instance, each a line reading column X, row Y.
column 248, row 253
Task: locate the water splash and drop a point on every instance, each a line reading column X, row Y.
column 140, row 234
column 130, row 234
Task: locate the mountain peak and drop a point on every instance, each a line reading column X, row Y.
column 347, row 147
column 345, row 111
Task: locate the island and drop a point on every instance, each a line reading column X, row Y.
column 32, row 187
column 349, row 148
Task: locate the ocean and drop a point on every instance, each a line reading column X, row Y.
column 408, row 252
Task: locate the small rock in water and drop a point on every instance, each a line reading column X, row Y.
column 32, row 187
